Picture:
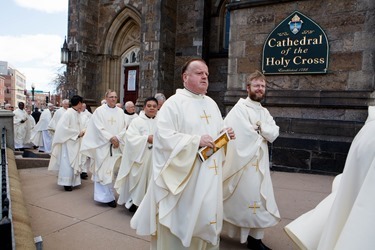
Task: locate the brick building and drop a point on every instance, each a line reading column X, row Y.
column 14, row 85
column 138, row 47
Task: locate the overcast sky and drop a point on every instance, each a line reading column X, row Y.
column 31, row 35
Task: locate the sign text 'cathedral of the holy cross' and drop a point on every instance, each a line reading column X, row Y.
column 296, row 46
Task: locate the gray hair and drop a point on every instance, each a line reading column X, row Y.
column 129, row 103
column 160, row 97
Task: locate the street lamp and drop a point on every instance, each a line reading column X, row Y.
column 69, row 52
column 70, row 55
column 32, row 96
column 65, row 53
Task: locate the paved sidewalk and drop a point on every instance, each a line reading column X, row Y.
column 72, row 220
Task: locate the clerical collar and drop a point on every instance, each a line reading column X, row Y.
column 193, row 92
column 74, row 109
column 111, row 107
column 149, row 117
column 126, row 112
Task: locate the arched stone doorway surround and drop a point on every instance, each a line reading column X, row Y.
column 122, row 38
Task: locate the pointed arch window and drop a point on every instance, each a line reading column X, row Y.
column 131, row 57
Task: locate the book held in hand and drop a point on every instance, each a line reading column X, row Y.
column 205, row 152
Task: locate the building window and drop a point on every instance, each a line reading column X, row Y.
column 134, row 58
column 131, row 57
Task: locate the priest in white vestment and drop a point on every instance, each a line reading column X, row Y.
column 182, row 208
column 20, row 126
column 249, row 202
column 65, row 156
column 136, row 164
column 129, row 111
column 57, row 116
column 307, row 229
column 345, row 219
column 103, row 142
column 161, row 99
column 85, row 118
column 40, row 135
column 30, row 124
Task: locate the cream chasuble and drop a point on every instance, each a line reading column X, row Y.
column 20, row 129
column 136, row 164
column 55, row 119
column 42, row 125
column 307, row 229
column 349, row 222
column 130, row 118
column 85, row 117
column 65, row 149
column 249, row 200
column 105, row 123
column 30, row 124
column 185, row 195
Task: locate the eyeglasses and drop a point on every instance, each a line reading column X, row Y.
column 258, row 86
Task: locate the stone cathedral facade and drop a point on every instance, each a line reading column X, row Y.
column 137, row 48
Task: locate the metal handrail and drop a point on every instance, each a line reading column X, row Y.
column 6, row 225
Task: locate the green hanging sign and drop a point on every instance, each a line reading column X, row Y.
column 296, row 46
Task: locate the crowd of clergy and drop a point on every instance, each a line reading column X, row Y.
column 148, row 161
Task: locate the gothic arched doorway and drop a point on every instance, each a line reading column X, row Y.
column 130, row 75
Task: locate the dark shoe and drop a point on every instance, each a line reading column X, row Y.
column 112, row 203
column 133, row 208
column 255, row 244
column 84, row 175
column 68, row 188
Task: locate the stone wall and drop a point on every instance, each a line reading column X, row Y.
column 318, row 115
column 6, row 121
column 170, row 33
column 189, row 34
column 97, row 61
column 82, row 29
column 167, row 48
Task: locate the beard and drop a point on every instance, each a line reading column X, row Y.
column 256, row 97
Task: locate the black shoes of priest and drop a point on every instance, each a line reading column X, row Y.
column 84, row 175
column 133, row 208
column 112, row 203
column 255, row 244
column 68, row 188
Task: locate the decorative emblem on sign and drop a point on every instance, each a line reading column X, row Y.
column 296, row 46
column 296, row 24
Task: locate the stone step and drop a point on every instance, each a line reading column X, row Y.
column 34, row 153
column 23, row 163
column 31, row 158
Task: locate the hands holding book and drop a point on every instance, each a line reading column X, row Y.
column 230, row 132
column 207, row 141
column 210, row 146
